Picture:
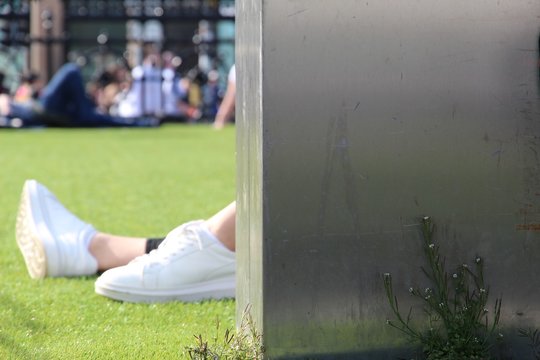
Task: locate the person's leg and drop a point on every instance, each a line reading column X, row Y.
column 54, row 242
column 112, row 250
column 195, row 261
column 65, row 95
column 223, row 226
column 66, row 103
column 226, row 108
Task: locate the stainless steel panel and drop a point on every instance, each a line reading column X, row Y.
column 356, row 119
column 249, row 158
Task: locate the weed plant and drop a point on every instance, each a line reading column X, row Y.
column 455, row 305
column 245, row 344
column 533, row 336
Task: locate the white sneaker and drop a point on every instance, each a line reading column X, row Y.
column 53, row 241
column 189, row 265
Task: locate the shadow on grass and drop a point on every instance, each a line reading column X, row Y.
column 19, row 316
column 383, row 354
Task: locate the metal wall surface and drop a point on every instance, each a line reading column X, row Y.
column 249, row 160
column 373, row 114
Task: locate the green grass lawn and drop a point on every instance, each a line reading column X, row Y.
column 140, row 182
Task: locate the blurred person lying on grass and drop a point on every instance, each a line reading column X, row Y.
column 195, row 261
column 63, row 102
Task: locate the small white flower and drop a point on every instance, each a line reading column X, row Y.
column 431, row 246
column 454, row 276
column 482, row 290
column 411, row 290
column 478, row 260
column 465, row 266
column 486, row 310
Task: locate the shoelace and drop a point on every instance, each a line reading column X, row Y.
column 176, row 241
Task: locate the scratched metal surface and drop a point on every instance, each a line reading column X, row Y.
column 249, row 154
column 373, row 114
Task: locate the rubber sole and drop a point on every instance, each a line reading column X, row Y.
column 27, row 237
column 209, row 290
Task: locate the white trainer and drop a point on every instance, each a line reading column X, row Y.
column 53, row 241
column 189, row 265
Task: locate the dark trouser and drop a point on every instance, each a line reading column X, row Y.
column 64, row 103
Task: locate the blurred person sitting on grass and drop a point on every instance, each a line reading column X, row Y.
column 65, row 103
column 195, row 261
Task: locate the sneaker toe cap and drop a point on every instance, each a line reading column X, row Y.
column 120, row 278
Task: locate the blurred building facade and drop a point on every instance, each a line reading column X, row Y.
column 41, row 35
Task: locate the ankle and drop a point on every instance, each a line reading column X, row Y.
column 112, row 251
column 97, row 247
column 222, row 235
